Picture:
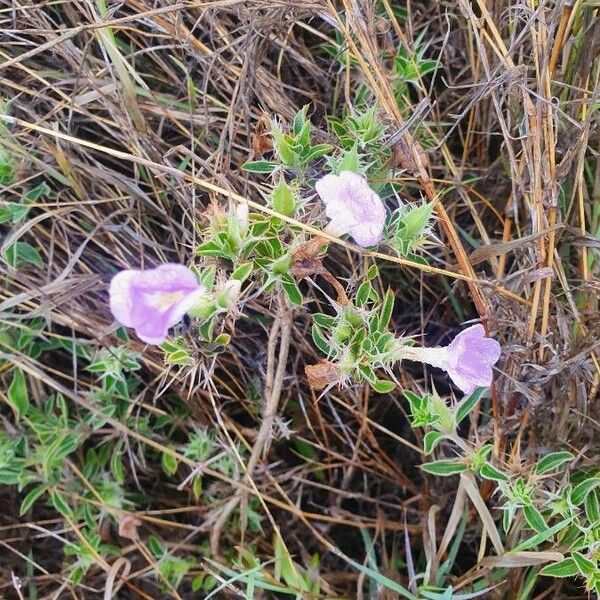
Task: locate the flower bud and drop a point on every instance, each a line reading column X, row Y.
column 242, row 214
column 229, row 294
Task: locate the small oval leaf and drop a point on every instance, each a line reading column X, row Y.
column 562, row 568
column 259, row 166
column 30, row 499
column 444, row 468
column 431, row 440
column 551, row 462
column 488, row 471
column 581, row 490
column 382, row 386
column 535, row 519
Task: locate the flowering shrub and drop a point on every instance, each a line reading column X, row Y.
column 356, row 341
column 245, row 253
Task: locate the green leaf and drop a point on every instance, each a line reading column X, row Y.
column 211, row 249
column 210, row 582
column 387, row 308
column 380, row 579
column 440, row 409
column 586, row 567
column 488, row 471
column 7, row 170
column 169, row 464
column 155, row 547
column 381, row 386
column 535, row 519
column 207, row 277
column 414, row 400
column 292, row 291
column 206, row 329
column 563, row 568
column 281, row 266
column 242, row 272
column 283, row 199
column 300, row 121
column 363, row 293
column 431, row 440
column 284, row 566
column 8, row 477
column 319, row 340
column 350, row 161
column 367, row 373
column 13, row 212
column 98, row 367
column 21, row 253
column 77, row 575
column 281, row 142
column 466, row 405
column 337, row 127
column 317, row 152
column 31, row 497
column 415, row 221
column 323, row 320
column 372, row 273
column 426, row 593
column 444, row 468
column 581, row 490
column 197, row 487
column 552, row 461
column 39, row 191
column 197, row 582
column 60, row 504
column 18, row 395
column 222, row 339
column 116, row 466
column 592, row 507
column 179, row 357
column 537, row 539
column 260, row 166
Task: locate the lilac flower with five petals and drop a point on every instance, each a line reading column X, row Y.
column 468, row 359
column 154, row 300
column 353, row 207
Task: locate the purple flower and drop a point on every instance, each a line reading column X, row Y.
column 152, row 301
column 353, row 207
column 468, row 359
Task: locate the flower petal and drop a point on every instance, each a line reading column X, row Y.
column 163, row 296
column 471, row 358
column 353, row 207
column 152, row 301
column 153, row 331
column 467, row 380
column 169, row 277
column 328, row 188
column 121, row 301
column 367, row 234
column 468, row 359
